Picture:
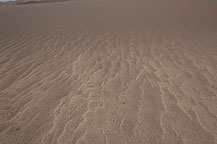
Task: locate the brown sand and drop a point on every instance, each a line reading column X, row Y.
column 109, row 72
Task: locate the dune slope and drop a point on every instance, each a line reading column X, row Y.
column 109, row 72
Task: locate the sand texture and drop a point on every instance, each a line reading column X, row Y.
column 109, row 72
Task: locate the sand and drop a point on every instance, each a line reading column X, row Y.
column 109, row 72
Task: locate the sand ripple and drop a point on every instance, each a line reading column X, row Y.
column 157, row 85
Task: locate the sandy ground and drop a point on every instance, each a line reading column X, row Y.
column 109, row 72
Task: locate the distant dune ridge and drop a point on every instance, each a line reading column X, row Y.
column 109, row 72
column 40, row 1
column 31, row 2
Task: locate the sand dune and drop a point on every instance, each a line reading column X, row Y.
column 22, row 2
column 109, row 72
column 40, row 1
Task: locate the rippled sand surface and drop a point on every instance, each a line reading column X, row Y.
column 109, row 72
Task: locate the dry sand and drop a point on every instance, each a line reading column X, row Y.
column 109, row 72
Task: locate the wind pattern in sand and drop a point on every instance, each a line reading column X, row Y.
column 68, row 78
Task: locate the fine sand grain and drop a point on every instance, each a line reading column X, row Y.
column 109, row 72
